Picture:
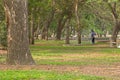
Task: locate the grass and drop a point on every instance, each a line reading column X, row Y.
column 56, row 53
column 44, row 75
column 78, row 61
column 74, row 55
column 2, row 59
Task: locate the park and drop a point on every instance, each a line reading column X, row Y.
column 59, row 40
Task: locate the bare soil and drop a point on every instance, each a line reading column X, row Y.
column 3, row 52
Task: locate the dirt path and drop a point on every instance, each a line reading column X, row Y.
column 103, row 70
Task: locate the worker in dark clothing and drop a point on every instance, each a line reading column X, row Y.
column 93, row 36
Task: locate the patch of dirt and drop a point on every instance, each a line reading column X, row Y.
column 102, row 70
column 3, row 52
column 106, row 71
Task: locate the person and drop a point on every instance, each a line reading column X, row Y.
column 93, row 36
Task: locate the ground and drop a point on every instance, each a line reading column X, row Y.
column 94, row 52
column 98, row 70
column 101, row 70
column 3, row 52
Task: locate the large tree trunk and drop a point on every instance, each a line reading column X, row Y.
column 17, row 23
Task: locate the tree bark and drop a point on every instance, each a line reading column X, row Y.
column 61, row 25
column 17, row 23
column 78, row 22
column 31, row 38
column 43, row 35
column 59, row 28
column 79, row 36
column 115, row 32
column 116, row 28
column 67, row 41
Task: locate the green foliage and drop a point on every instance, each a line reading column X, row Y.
column 3, row 35
column 96, row 16
column 93, row 14
column 3, row 31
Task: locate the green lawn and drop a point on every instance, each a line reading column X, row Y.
column 56, row 53
column 44, row 75
column 74, row 55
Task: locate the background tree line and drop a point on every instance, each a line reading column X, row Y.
column 53, row 18
column 62, row 19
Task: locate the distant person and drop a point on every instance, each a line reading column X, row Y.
column 93, row 36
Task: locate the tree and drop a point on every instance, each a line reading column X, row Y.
column 17, row 24
column 78, row 9
column 67, row 41
column 114, row 10
column 78, row 22
column 110, row 7
column 97, row 16
column 63, row 13
column 49, row 18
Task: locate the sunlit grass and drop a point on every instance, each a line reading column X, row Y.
column 45, row 75
column 2, row 59
column 74, row 55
